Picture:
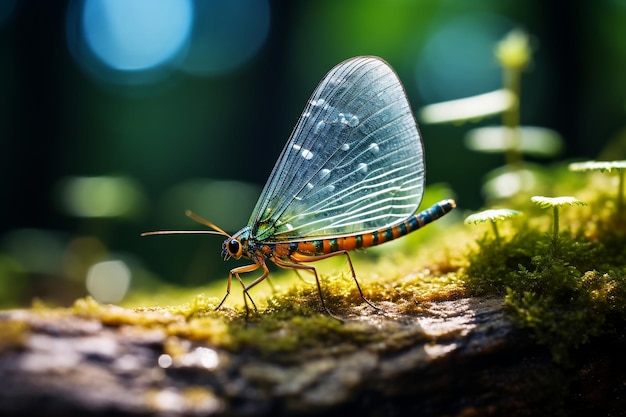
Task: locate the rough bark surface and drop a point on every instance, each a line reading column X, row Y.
column 457, row 358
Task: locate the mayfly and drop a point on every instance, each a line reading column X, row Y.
column 351, row 176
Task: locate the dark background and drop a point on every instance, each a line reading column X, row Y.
column 208, row 141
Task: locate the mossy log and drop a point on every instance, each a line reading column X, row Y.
column 460, row 357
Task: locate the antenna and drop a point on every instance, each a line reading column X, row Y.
column 216, row 230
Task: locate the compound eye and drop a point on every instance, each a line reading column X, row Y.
column 234, row 248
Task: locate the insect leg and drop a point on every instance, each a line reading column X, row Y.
column 303, row 258
column 297, row 259
column 236, row 272
column 294, row 270
column 302, row 278
column 295, row 265
column 266, row 272
column 269, row 281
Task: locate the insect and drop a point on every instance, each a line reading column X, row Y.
column 351, row 176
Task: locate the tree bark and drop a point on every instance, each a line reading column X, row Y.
column 455, row 358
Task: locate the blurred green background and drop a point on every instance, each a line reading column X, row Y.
column 118, row 115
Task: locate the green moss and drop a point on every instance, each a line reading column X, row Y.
column 112, row 315
column 291, row 319
column 565, row 296
column 493, row 264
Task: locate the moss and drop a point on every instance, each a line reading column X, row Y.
column 493, row 264
column 291, row 319
column 112, row 315
column 564, row 297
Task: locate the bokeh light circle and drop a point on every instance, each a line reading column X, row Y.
column 108, row 281
column 226, row 35
column 129, row 41
column 136, row 34
column 458, row 59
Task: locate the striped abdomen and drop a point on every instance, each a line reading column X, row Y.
column 365, row 240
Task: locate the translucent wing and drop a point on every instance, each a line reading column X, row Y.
column 354, row 161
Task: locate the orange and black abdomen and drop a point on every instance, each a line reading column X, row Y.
column 365, row 240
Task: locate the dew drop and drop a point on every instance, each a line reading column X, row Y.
column 345, row 147
column 348, row 119
column 296, row 147
column 309, row 186
column 319, row 126
column 362, row 168
column 324, row 173
column 306, row 154
column 373, row 147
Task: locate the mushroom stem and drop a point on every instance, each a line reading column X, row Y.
column 495, row 230
column 620, row 193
